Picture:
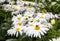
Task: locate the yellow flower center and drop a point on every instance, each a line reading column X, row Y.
column 31, row 24
column 15, row 10
column 43, row 13
column 21, row 6
column 32, row 19
column 37, row 27
column 26, row 16
column 18, row 17
column 29, row 6
column 24, row 0
column 6, row 8
column 17, row 29
column 47, row 22
column 30, row 12
column 41, row 16
column 18, row 23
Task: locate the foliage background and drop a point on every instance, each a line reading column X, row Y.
column 5, row 23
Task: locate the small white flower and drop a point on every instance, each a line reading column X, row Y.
column 17, row 18
column 18, row 23
column 21, row 8
column 41, row 15
column 30, row 9
column 32, row 3
column 7, row 7
column 47, row 16
column 31, row 19
column 41, row 20
column 20, row 2
column 53, row 21
column 25, row 17
column 15, row 10
column 48, row 25
column 1, row 1
column 41, row 5
column 15, row 30
column 11, row 1
column 29, row 13
column 26, row 2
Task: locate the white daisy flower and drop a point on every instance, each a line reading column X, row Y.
column 30, row 9
column 39, row 19
column 1, row 1
column 28, row 16
column 35, row 29
column 15, row 10
column 7, row 7
column 41, row 5
column 41, row 15
column 29, row 13
column 17, row 18
column 20, row 2
column 17, row 23
column 25, row 18
column 47, row 24
column 47, row 16
column 11, row 1
column 13, row 6
column 26, row 2
column 15, row 30
column 32, row 3
column 31, row 19
column 21, row 8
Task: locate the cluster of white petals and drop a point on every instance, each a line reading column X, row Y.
column 27, row 20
